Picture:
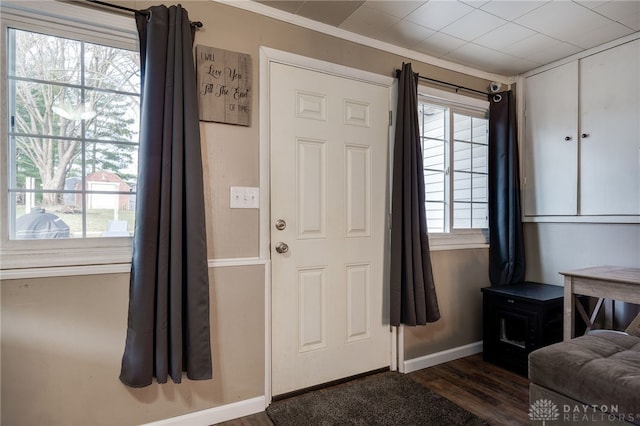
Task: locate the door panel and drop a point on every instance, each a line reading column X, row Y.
column 358, row 302
column 311, row 175
column 329, row 147
column 358, row 190
column 312, row 317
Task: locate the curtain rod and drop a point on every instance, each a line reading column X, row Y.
column 457, row 87
column 196, row 24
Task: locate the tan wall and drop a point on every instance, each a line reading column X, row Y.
column 62, row 343
column 459, row 275
column 62, row 338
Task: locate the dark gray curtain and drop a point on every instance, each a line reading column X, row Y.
column 506, row 251
column 168, row 327
column 413, row 296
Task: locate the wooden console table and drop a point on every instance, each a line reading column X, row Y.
column 603, row 282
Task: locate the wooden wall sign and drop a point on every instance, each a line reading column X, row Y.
column 224, row 85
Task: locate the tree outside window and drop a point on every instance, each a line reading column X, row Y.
column 73, row 135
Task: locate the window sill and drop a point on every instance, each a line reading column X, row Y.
column 475, row 239
column 448, row 247
column 53, row 257
column 64, row 271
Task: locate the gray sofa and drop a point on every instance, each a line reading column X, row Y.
column 593, row 379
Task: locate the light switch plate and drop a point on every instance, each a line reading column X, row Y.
column 244, row 197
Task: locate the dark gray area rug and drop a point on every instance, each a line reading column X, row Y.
column 386, row 399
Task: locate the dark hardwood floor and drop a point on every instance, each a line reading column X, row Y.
column 492, row 393
column 496, row 395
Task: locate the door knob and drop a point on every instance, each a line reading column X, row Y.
column 282, row 248
column 280, row 224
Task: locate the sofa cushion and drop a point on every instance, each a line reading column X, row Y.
column 601, row 369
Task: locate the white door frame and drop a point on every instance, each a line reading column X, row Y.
column 268, row 55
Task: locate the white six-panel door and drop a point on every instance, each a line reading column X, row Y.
column 328, row 139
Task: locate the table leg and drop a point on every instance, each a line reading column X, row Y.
column 608, row 314
column 569, row 304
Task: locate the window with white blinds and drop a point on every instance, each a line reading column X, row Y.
column 455, row 152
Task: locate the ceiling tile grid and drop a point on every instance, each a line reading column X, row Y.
column 506, row 37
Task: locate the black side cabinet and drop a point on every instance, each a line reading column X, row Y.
column 518, row 319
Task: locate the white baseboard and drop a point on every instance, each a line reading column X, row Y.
column 442, row 357
column 255, row 405
column 215, row 415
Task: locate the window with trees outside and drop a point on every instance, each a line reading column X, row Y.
column 72, row 136
column 455, row 147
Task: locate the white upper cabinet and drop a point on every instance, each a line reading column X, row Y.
column 582, row 137
column 610, row 132
column 551, row 151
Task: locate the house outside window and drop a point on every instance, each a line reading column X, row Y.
column 454, row 138
column 69, row 144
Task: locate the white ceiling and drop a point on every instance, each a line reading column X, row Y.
column 505, row 37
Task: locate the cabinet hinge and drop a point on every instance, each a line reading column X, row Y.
column 390, row 118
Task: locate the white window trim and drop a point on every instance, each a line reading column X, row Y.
column 65, row 20
column 463, row 238
column 459, row 240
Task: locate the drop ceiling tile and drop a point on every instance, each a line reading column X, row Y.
column 618, row 10
column 597, row 36
column 437, row 14
column 519, row 66
column 406, row 33
column 478, row 56
column 396, row 8
column 438, row 44
column 287, row 6
column 330, row 12
column 528, row 46
column 369, row 22
column 553, row 52
column 504, row 36
column 474, row 52
column 565, row 21
column 591, row 4
column 473, row 25
column 541, row 49
column 475, row 3
column 510, row 9
column 553, row 17
column 632, row 21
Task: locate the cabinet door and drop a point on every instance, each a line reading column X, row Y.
column 551, row 161
column 610, row 132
